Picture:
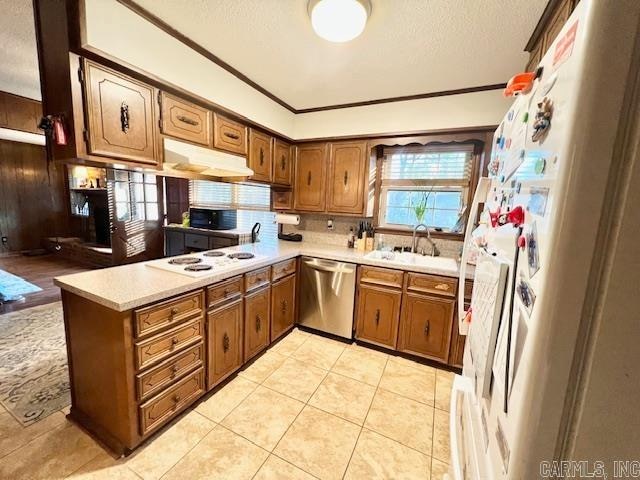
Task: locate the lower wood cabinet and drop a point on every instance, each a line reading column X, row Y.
column 283, row 299
column 378, row 315
column 425, row 327
column 224, row 341
column 257, row 310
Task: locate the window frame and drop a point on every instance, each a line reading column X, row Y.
column 480, row 148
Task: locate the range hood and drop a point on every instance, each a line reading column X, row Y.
column 185, row 157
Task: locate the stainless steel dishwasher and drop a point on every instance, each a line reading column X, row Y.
column 327, row 292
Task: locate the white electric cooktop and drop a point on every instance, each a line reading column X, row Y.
column 201, row 264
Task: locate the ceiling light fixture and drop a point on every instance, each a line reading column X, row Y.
column 339, row 20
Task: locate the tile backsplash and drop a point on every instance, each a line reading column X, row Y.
column 314, row 230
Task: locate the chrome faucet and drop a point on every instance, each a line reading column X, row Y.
column 434, row 249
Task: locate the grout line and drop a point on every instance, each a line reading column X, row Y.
column 294, row 465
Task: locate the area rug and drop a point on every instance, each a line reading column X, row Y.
column 13, row 287
column 34, row 380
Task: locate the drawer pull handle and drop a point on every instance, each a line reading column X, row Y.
column 261, row 156
column 174, row 370
column 346, row 177
column 283, row 305
column 187, row 120
column 225, row 343
column 175, row 311
column 174, row 341
column 309, row 178
column 442, row 286
column 427, row 327
column 258, row 323
column 283, row 163
column 226, row 292
column 124, row 117
column 377, row 317
column 234, row 136
column 176, row 398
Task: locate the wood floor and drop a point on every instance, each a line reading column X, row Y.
column 39, row 270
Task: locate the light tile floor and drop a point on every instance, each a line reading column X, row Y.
column 310, row 407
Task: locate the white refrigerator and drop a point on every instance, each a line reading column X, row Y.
column 546, row 213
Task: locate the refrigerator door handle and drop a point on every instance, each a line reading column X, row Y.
column 478, row 197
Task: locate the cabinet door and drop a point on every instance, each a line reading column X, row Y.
column 425, row 327
column 283, row 301
column 281, row 200
column 257, row 308
column 347, row 177
column 260, row 156
column 557, row 21
column 282, row 163
column 173, row 243
column 120, row 115
column 311, row 171
column 224, row 342
column 378, row 315
column 185, row 120
column 229, row 135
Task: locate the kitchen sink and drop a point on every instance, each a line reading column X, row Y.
column 408, row 258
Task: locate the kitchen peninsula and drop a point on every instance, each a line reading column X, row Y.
column 144, row 343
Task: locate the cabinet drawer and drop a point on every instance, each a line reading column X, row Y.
column 165, row 406
column 166, row 344
column 417, row 282
column 224, row 292
column 165, row 374
column 256, row 279
column 185, row 120
column 381, row 276
column 229, row 135
column 221, row 242
column 282, row 200
column 159, row 316
column 192, row 240
column 283, row 269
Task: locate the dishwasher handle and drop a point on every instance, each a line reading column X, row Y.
column 323, row 268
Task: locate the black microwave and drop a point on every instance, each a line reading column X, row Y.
column 213, row 219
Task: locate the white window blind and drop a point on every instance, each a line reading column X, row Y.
column 425, row 184
column 445, row 165
column 252, row 202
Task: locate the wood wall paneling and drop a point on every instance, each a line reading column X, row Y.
column 32, row 198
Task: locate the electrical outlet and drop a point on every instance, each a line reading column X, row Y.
column 5, row 240
column 330, row 224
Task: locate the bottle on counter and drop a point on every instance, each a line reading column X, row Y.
column 351, row 238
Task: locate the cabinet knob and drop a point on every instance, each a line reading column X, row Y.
column 225, row 343
column 176, row 398
column 346, row 177
column 377, row 317
column 174, row 341
column 258, row 323
column 427, row 327
column 283, row 306
column 226, row 292
column 175, row 311
column 309, row 178
column 261, row 156
column 174, row 370
column 124, row 117
column 283, row 162
column 442, row 286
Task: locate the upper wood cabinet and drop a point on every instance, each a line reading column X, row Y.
column 310, row 177
column 181, row 119
column 553, row 19
column 20, row 113
column 378, row 315
column 229, row 135
column 282, row 200
column 281, row 163
column 120, row 115
column 347, row 177
column 224, row 342
column 260, row 155
column 425, row 327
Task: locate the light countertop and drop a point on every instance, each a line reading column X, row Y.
column 129, row 286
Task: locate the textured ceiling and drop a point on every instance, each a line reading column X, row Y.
column 19, row 71
column 408, row 47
